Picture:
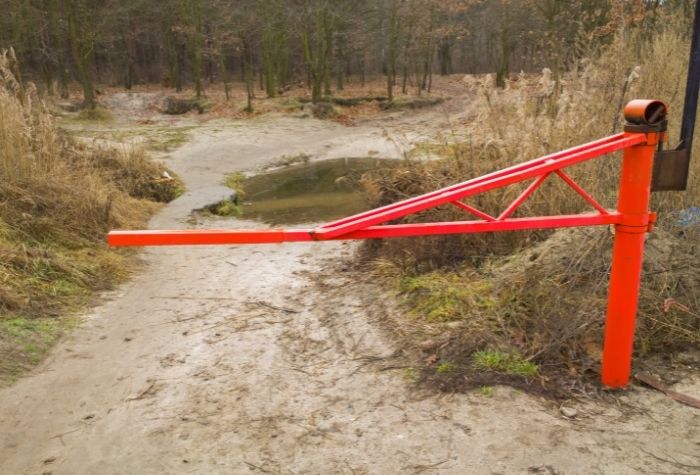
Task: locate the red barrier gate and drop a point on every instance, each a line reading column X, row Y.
column 644, row 132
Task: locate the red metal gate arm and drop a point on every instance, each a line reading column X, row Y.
column 271, row 236
column 364, row 225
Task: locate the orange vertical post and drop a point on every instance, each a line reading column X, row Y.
column 646, row 117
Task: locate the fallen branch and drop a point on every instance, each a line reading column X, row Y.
column 654, row 382
column 143, row 392
column 420, row 468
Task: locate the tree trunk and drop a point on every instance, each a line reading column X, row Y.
column 81, row 48
column 224, row 74
column 363, row 78
column 197, row 66
column 248, row 75
column 327, row 56
column 179, row 65
column 317, row 55
column 405, row 79
column 445, row 56
column 195, row 41
column 392, row 52
column 275, row 49
column 340, row 84
column 504, row 67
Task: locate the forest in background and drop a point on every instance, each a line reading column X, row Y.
column 273, row 44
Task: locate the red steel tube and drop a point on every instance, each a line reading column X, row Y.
column 476, row 212
column 202, row 237
column 523, row 196
column 271, row 236
column 515, row 224
column 628, row 253
column 584, row 194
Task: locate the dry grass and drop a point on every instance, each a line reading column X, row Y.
column 493, row 288
column 58, row 198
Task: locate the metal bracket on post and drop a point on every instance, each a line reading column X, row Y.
column 671, row 170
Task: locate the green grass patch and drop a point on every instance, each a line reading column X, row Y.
column 445, row 367
column 235, row 181
column 505, row 363
column 25, row 342
column 438, row 296
column 486, row 391
column 41, row 285
column 151, row 138
column 225, row 208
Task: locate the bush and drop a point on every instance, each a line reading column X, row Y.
column 176, row 106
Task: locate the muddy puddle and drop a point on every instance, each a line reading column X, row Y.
column 311, row 192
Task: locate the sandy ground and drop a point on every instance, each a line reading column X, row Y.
column 273, row 359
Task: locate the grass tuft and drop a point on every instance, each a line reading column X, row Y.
column 486, row 391
column 235, row 181
column 443, row 297
column 446, row 367
column 506, row 363
column 225, row 208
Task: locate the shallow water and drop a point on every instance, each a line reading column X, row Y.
column 309, row 193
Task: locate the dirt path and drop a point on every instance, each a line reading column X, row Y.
column 271, row 359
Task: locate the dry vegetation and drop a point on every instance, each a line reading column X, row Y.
column 355, row 102
column 58, row 199
column 540, row 297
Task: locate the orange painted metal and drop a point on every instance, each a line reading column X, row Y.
column 206, row 237
column 202, row 237
column 476, row 212
column 523, row 196
column 584, row 194
column 628, row 253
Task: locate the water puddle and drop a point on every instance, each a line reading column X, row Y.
column 309, row 193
